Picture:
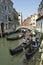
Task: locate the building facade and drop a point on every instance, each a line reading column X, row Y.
column 20, row 18
column 33, row 21
column 8, row 15
column 15, row 20
column 40, row 9
column 39, row 24
column 26, row 22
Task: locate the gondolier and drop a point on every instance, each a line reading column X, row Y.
column 24, row 40
column 34, row 39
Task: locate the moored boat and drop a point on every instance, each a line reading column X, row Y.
column 31, row 51
column 19, row 48
column 15, row 38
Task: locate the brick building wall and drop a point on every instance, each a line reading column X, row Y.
column 26, row 22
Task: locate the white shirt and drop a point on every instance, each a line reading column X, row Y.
column 33, row 38
column 24, row 40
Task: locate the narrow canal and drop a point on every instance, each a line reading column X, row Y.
column 6, row 58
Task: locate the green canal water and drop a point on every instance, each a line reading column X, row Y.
column 7, row 59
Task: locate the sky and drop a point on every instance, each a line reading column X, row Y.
column 27, row 7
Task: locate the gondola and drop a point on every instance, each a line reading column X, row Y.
column 19, row 48
column 29, row 53
column 15, row 38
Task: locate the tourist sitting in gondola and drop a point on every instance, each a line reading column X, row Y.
column 35, row 42
column 33, row 38
column 25, row 41
column 31, row 48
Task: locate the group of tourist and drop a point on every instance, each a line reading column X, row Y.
column 32, row 39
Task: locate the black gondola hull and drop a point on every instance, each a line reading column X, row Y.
column 14, row 38
column 18, row 49
column 30, row 54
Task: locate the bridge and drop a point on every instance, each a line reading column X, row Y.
column 20, row 27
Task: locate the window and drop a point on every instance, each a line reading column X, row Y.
column 19, row 15
column 5, row 7
column 5, row 16
column 33, row 19
column 9, row 18
column 1, row 0
column 33, row 23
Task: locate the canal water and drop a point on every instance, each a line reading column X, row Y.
column 7, row 59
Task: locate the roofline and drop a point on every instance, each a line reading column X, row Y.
column 39, row 18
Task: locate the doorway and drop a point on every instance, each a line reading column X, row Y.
column 2, row 28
